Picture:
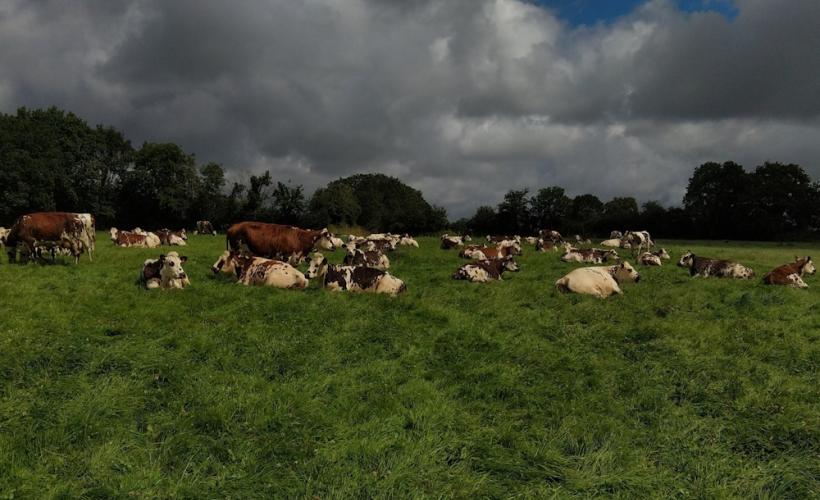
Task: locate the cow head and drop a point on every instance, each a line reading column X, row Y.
column 807, row 265
column 171, row 271
column 663, row 254
column 183, row 234
column 624, row 272
column 686, row 259
column 230, row 262
column 610, row 254
column 317, row 267
column 509, row 264
column 113, row 232
column 325, row 240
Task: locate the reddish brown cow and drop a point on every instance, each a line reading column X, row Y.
column 276, row 241
column 791, row 274
column 53, row 229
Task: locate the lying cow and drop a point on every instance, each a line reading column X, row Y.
column 353, row 278
column 612, row 243
column 134, row 239
column 205, row 227
column 3, row 234
column 637, row 240
column 448, row 242
column 616, row 235
column 552, row 235
column 543, row 245
column 369, row 258
column 791, row 274
column 598, row 281
column 406, row 240
column 165, row 272
column 653, row 258
column 705, row 267
column 336, row 242
column 172, row 238
column 505, row 249
column 582, row 241
column 590, row 255
column 482, row 271
column 259, row 271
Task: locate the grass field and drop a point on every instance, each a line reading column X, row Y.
column 679, row 388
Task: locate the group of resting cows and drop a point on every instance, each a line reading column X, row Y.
column 266, row 254
column 493, row 259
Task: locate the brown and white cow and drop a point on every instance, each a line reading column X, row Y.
column 165, row 272
column 505, row 249
column 353, row 278
column 600, row 281
column 168, row 237
column 50, row 229
column 134, row 239
column 259, row 271
column 552, row 235
column 590, row 255
column 205, row 227
column 277, row 241
column 655, row 258
column 791, row 274
column 448, row 242
column 543, row 245
column 370, row 258
column 482, row 271
column 705, row 267
column 616, row 235
column 637, row 240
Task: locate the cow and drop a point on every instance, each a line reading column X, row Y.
column 600, row 281
column 259, row 271
column 552, row 235
column 172, row 238
column 705, row 267
column 499, row 238
column 408, row 241
column 337, row 242
column 637, row 240
column 383, row 245
column 791, row 274
column 591, row 255
column 3, row 234
column 370, row 258
column 612, row 243
column 53, row 229
column 653, row 258
column 277, row 241
column 353, row 278
column 165, row 272
column 543, row 245
column 134, row 239
column 448, row 242
column 482, row 271
column 616, row 235
column 582, row 241
column 205, row 227
column 531, row 240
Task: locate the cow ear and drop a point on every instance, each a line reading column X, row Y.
column 162, row 258
column 324, row 261
column 183, row 259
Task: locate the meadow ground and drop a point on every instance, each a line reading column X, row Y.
column 679, row 388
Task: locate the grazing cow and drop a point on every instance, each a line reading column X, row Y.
column 259, row 271
column 598, row 281
column 482, row 271
column 543, row 245
column 549, row 234
column 448, row 242
column 704, row 267
column 591, row 255
column 165, row 272
column 205, row 227
column 406, row 240
column 791, row 274
column 133, row 239
column 172, row 238
column 370, row 258
column 276, row 241
column 653, row 258
column 353, row 278
column 50, row 229
column 616, row 235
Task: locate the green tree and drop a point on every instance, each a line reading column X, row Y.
column 586, row 213
column 288, row 203
column 716, row 198
column 514, row 212
column 334, row 204
column 550, row 208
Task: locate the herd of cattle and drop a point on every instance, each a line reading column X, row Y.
column 267, row 254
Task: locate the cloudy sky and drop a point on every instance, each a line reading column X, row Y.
column 463, row 99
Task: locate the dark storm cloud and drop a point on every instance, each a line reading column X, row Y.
column 463, row 99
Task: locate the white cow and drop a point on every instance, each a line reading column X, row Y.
column 259, row 271
column 600, row 281
column 165, row 272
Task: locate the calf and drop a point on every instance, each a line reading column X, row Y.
column 791, row 274
column 369, row 258
column 260, row 271
column 353, row 278
column 165, row 272
column 591, row 255
column 598, row 281
column 704, row 267
column 482, row 271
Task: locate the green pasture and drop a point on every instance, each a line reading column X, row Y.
column 680, row 388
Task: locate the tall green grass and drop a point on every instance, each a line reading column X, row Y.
column 679, row 388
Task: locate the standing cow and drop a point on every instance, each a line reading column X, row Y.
column 51, row 230
column 277, row 241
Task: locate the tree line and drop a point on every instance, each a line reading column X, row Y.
column 722, row 201
column 51, row 159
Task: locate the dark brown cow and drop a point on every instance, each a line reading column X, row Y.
column 705, row 267
column 276, row 241
column 791, row 274
column 52, row 229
